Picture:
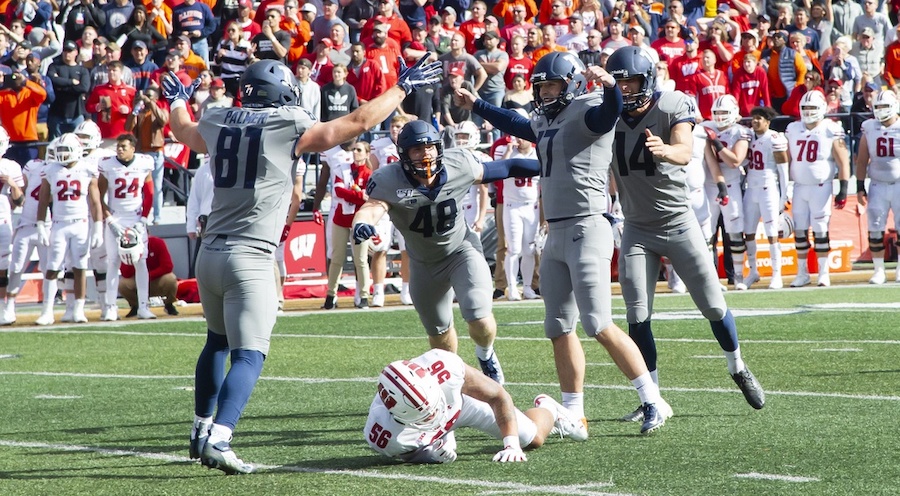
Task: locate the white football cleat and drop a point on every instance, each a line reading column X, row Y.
column 897, row 275
column 776, row 283
column 405, row 298
column 513, row 295
column 529, row 294
column 751, row 279
column 68, row 315
column 679, row 288
column 378, row 299
column 565, row 425
column 801, row 280
column 878, row 277
column 823, row 281
column 79, row 318
column 109, row 313
column 740, row 287
column 45, row 319
column 145, row 313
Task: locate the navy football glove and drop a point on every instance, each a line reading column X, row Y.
column 420, row 74
column 362, row 232
column 173, row 89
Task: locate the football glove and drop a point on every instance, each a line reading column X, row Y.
column 317, row 217
column 43, row 234
column 114, row 226
column 722, row 197
column 362, row 232
column 840, row 200
column 173, row 89
column 510, row 454
column 97, row 235
column 285, row 233
column 714, row 139
column 420, row 74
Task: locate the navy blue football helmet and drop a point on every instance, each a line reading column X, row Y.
column 416, row 133
column 269, row 83
column 629, row 62
column 558, row 66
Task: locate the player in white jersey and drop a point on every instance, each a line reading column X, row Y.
column 25, row 239
column 730, row 142
column 817, row 152
column 420, row 402
column 877, row 159
column 89, row 134
column 126, row 193
column 70, row 184
column 766, row 195
column 253, row 173
column 521, row 219
column 11, row 196
column 467, row 135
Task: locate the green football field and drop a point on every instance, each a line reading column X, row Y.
column 106, row 409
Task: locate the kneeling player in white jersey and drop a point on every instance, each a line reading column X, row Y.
column 766, row 193
column 25, row 240
column 420, row 402
column 71, row 185
column 11, row 185
column 521, row 218
column 877, row 159
column 817, row 151
column 126, row 193
column 730, row 142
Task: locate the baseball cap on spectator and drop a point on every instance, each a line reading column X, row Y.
column 327, row 42
column 871, row 86
column 100, row 40
column 491, row 20
column 639, row 29
column 416, row 25
column 305, row 63
column 24, row 44
column 763, row 18
column 575, row 17
column 868, row 32
column 138, row 44
column 490, row 34
column 779, row 33
column 174, row 53
column 616, row 19
column 69, row 46
column 217, row 83
column 246, row 4
column 457, row 70
column 33, row 56
column 308, row 7
column 113, row 46
column 183, row 38
column 752, row 33
column 448, row 10
column 434, row 20
column 835, row 82
column 329, row 1
column 722, row 8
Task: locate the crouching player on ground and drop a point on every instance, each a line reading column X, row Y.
column 420, row 402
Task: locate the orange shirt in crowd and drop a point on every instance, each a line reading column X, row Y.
column 19, row 109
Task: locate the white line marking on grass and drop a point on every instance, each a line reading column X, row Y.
column 776, row 477
column 8, row 356
column 837, row 349
column 853, row 306
column 705, row 357
column 600, row 364
column 688, row 315
column 54, row 397
column 500, row 487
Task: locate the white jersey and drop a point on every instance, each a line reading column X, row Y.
column 385, row 151
column 98, row 154
column 521, row 189
column 32, row 173
column 338, row 161
column 696, row 167
column 884, row 150
column 125, row 183
column 69, row 189
column 762, row 171
column 388, row 437
column 812, row 161
column 729, row 137
column 14, row 171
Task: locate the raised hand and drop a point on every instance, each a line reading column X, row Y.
column 173, row 89
column 420, row 74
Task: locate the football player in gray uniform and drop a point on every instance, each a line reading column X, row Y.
column 253, row 173
column 653, row 144
column 423, row 195
column 572, row 130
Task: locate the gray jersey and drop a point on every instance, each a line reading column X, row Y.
column 574, row 161
column 250, row 156
column 434, row 227
column 652, row 192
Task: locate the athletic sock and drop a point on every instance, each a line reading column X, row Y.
column 484, row 352
column 574, row 403
column 647, row 390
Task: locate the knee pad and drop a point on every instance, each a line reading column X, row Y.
column 822, row 242
column 738, row 246
column 99, row 276
column 801, row 240
column 69, row 275
column 876, row 242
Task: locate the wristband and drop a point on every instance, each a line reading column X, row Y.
column 717, row 144
column 861, row 186
column 177, row 104
column 723, row 189
column 511, row 442
column 842, row 187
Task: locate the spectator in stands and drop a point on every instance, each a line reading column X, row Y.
column 201, row 92
column 863, row 103
column 399, row 30
column 338, row 97
column 310, row 96
column 870, row 61
column 232, row 57
column 196, row 20
column 448, row 21
column 617, row 36
column 100, row 73
column 749, row 45
column 420, row 37
column 820, row 19
column 356, row 14
column 159, row 15
column 20, row 100
column 111, row 103
column 548, row 34
column 435, row 36
column 801, row 25
column 682, row 68
column 663, row 81
column 140, row 65
column 321, row 26
column 717, row 41
column 812, row 81
column 33, row 70
column 519, row 62
column 670, row 44
column 517, row 24
column 473, row 28
column 675, row 11
column 98, row 53
column 163, row 282
column 471, row 70
column 707, row 84
column 321, row 62
column 86, row 46
column 148, row 123
column 880, row 24
column 76, row 16
column 638, row 38
column 833, row 91
column 117, row 14
column 249, row 27
column 782, row 16
column 559, row 17
column 385, row 52
column 844, row 67
column 340, row 49
column 844, row 12
column 576, row 39
column 273, row 42
column 364, row 75
column 506, row 10
column 451, row 113
column 71, row 83
column 193, row 63
column 763, row 23
column 309, row 12
column 750, row 85
column 810, row 57
column 518, row 97
column 300, row 31
column 787, row 69
column 652, row 18
column 217, row 97
column 495, row 62
column 590, row 56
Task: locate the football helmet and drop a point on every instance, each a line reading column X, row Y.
column 131, row 247
column 89, row 134
column 269, row 83
column 886, row 105
column 466, row 135
column 629, row 62
column 50, row 151
column 725, row 112
column 4, row 141
column 412, row 395
column 68, row 149
column 416, row 133
column 812, row 107
column 558, row 66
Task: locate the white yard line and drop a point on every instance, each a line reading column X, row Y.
column 776, row 477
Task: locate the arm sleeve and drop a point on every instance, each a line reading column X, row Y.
column 602, row 119
column 505, row 120
column 147, row 200
column 513, row 167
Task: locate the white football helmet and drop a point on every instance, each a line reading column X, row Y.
column 813, row 107
column 412, row 395
column 886, row 105
column 50, row 152
column 131, row 247
column 725, row 112
column 466, row 135
column 68, row 149
column 4, row 141
column 89, row 134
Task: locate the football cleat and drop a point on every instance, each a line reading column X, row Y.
column 171, row 310
column 740, row 287
column 801, row 280
column 363, row 303
column 220, row 456
column 491, row 368
column 68, row 315
column 79, row 318
column 530, row 294
column 514, row 295
column 776, row 282
column 878, row 277
column 751, row 279
column 823, row 281
column 145, row 313
column 131, row 313
column 678, row 287
column 638, row 414
column 405, row 298
column 330, row 303
column 378, row 299
column 109, row 313
column 653, row 419
column 45, row 319
column 753, row 391
column 499, row 293
column 565, row 425
column 199, row 436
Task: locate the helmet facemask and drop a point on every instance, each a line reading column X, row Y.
column 886, row 106
column 427, row 167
